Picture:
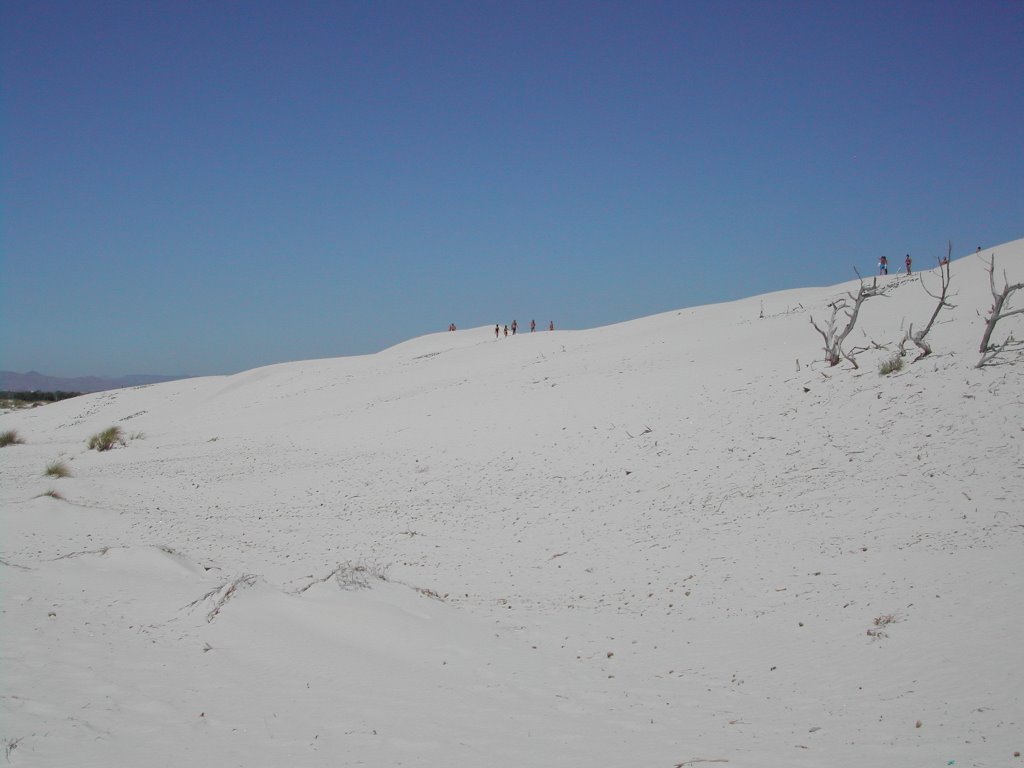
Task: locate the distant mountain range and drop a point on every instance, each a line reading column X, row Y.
column 33, row 381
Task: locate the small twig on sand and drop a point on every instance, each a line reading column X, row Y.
column 14, row 565
column 100, row 551
column 224, row 593
column 10, row 745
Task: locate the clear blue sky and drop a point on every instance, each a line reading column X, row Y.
column 205, row 187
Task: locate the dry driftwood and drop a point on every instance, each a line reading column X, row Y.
column 918, row 339
column 850, row 306
column 998, row 312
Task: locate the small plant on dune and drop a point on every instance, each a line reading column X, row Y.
column 219, row 596
column 10, row 437
column 10, row 745
column 53, row 495
column 57, row 469
column 893, row 364
column 352, row 576
column 107, row 439
column 359, row 575
column 877, row 632
column 433, row 594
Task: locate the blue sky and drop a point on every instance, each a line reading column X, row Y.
column 197, row 188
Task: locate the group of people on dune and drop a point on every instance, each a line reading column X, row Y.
column 515, row 327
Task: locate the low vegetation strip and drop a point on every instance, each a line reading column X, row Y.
column 37, row 396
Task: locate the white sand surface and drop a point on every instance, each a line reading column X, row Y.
column 676, row 540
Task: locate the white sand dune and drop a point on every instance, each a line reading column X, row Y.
column 678, row 539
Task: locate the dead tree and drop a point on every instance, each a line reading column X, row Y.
column 833, row 337
column 918, row 339
column 998, row 312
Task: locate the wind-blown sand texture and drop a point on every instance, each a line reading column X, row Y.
column 676, row 540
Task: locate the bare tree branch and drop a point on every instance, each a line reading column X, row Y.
column 987, row 349
column 918, row 339
column 833, row 337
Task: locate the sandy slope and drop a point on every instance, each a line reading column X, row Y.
column 656, row 542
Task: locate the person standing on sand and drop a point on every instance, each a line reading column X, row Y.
column 506, row 331
column 883, row 266
column 533, row 326
column 551, row 325
column 515, row 326
column 907, row 262
column 496, row 330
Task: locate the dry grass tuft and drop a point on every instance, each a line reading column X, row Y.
column 890, row 365
column 109, row 438
column 57, row 469
column 10, row 437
